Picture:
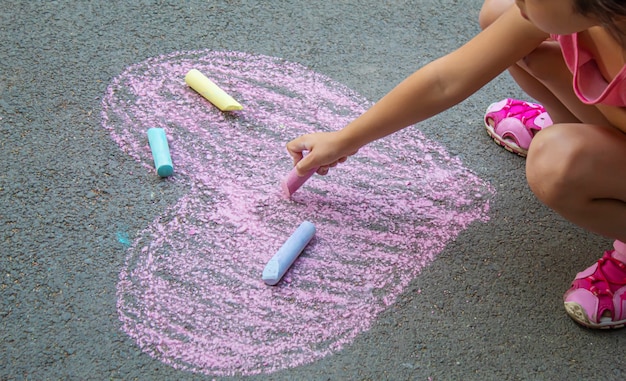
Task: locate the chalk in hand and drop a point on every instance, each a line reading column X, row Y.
column 293, row 182
column 209, row 90
column 160, row 152
column 287, row 254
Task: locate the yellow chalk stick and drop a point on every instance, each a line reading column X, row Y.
column 205, row 87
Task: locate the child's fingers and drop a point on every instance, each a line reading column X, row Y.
column 319, row 152
column 306, row 164
column 322, row 171
column 296, row 147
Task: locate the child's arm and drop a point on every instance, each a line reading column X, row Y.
column 432, row 89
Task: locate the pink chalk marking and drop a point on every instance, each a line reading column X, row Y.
column 292, row 182
column 196, row 301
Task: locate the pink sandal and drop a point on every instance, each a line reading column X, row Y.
column 513, row 123
column 597, row 298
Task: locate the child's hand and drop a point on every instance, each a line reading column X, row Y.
column 325, row 150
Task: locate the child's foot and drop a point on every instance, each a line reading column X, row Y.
column 597, row 298
column 513, row 123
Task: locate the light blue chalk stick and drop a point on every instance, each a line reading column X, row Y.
column 160, row 152
column 287, row 254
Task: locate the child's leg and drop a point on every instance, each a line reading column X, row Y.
column 491, row 10
column 558, row 112
column 561, row 156
column 579, row 170
column 542, row 82
column 545, row 71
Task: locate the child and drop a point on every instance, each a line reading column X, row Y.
column 576, row 163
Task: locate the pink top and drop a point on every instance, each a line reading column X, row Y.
column 589, row 84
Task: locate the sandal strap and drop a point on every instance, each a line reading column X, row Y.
column 524, row 111
column 605, row 284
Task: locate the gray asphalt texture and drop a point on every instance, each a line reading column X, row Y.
column 490, row 306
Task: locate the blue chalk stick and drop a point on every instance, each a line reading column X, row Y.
column 160, row 152
column 287, row 254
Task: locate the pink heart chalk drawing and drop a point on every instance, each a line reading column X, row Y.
column 190, row 292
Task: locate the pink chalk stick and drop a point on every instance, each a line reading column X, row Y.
column 293, row 182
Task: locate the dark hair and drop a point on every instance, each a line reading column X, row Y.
column 610, row 13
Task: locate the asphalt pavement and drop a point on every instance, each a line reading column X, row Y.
column 77, row 202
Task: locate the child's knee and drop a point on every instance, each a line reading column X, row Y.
column 555, row 165
column 491, row 10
